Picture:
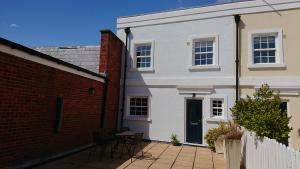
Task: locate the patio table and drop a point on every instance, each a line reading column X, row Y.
column 125, row 134
column 122, row 137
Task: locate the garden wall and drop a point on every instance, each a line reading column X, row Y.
column 30, row 84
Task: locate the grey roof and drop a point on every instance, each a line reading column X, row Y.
column 86, row 57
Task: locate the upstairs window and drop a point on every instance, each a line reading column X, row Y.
column 264, row 49
column 203, row 52
column 143, row 56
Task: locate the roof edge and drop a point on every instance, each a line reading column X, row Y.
column 30, row 51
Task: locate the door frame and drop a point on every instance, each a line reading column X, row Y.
column 185, row 116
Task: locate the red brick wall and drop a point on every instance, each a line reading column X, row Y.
column 28, row 93
column 28, row 105
column 111, row 63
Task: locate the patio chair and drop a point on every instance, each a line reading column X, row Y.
column 124, row 129
column 134, row 143
column 104, row 139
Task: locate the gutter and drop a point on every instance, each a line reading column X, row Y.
column 237, row 19
column 127, row 31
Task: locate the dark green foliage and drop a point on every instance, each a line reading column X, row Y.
column 214, row 133
column 174, row 140
column 262, row 114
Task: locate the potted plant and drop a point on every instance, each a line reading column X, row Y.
column 174, row 140
column 214, row 135
column 233, row 146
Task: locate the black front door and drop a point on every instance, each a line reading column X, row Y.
column 194, row 121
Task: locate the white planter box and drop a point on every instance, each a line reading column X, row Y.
column 233, row 153
column 220, row 146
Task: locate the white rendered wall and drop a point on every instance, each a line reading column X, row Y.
column 171, row 70
column 171, row 52
column 167, row 112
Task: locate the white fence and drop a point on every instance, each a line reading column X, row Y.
column 268, row 154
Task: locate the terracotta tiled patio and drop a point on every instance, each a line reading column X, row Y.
column 157, row 156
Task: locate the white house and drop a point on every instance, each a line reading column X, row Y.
column 181, row 71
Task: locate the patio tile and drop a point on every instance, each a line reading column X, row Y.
column 156, row 156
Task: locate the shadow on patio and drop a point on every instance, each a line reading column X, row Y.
column 156, row 156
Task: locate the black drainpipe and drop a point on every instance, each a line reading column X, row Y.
column 237, row 19
column 127, row 31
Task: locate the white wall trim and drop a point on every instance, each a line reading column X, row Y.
column 42, row 61
column 203, row 90
column 286, row 81
column 182, row 81
column 278, row 32
column 284, row 90
column 206, row 12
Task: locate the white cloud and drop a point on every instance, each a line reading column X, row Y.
column 13, row 25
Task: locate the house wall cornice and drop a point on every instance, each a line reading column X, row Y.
column 213, row 11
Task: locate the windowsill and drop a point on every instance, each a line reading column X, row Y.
column 136, row 118
column 216, row 119
column 267, row 66
column 204, row 68
column 149, row 70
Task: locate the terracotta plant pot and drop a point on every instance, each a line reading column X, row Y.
column 219, row 146
column 233, row 154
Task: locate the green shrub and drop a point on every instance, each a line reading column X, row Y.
column 213, row 134
column 262, row 114
column 174, row 140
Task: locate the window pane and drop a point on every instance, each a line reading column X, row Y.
column 210, row 49
column 272, row 53
column 257, row 60
column 256, row 45
column 203, row 56
column 209, row 56
column 271, row 59
column 203, row 49
column 264, row 59
column 264, row 53
column 264, row 45
column 272, row 45
column 209, row 61
column 210, row 43
column 256, row 53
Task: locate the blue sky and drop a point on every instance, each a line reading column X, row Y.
column 73, row 22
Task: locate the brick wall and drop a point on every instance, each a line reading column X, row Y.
column 111, row 63
column 28, row 93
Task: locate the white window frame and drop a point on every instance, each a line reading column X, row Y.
column 224, row 117
column 138, row 117
column 215, row 65
column 211, row 107
column 279, row 58
column 134, row 57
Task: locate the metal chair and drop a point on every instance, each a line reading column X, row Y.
column 104, row 139
column 133, row 143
